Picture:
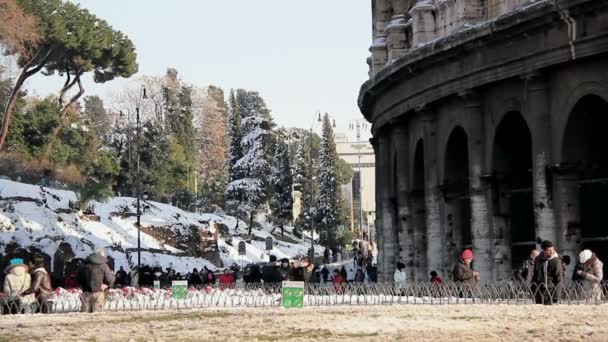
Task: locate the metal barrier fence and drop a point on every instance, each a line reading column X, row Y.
column 317, row 295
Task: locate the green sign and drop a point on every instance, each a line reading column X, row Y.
column 180, row 289
column 293, row 294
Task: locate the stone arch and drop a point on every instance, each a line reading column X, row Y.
column 512, row 189
column 564, row 110
column 583, row 157
column 455, row 189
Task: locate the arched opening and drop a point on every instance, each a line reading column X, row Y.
column 417, row 199
column 513, row 200
column 455, row 189
column 584, row 152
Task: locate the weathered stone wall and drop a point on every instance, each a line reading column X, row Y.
column 528, row 62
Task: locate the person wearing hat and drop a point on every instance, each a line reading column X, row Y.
column 41, row 285
column 463, row 272
column 592, row 273
column 17, row 282
column 548, row 275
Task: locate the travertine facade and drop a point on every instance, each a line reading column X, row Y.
column 488, row 121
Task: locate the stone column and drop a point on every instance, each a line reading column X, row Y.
column 501, row 230
column 379, row 54
column 537, row 112
column 569, row 234
column 418, row 218
column 395, row 31
column 434, row 235
column 388, row 203
column 379, row 226
column 423, row 22
column 405, row 224
column 397, row 44
column 481, row 231
column 382, row 16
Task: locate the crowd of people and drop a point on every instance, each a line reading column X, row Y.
column 543, row 271
column 30, row 283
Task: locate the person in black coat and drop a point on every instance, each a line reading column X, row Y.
column 195, row 279
column 548, row 275
column 270, row 273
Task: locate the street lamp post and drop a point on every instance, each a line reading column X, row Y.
column 312, row 192
column 138, row 182
column 357, row 125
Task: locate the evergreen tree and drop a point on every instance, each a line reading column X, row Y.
column 253, row 167
column 281, row 203
column 328, row 201
column 303, row 184
column 233, row 198
column 97, row 115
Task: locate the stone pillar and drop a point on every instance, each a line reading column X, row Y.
column 537, row 112
column 389, row 205
column 434, row 236
column 502, row 231
column 379, row 55
column 382, row 16
column 383, row 13
column 418, row 210
column 481, row 231
column 379, row 226
column 566, row 192
column 423, row 22
column 405, row 224
column 397, row 44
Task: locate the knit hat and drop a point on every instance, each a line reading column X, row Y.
column 467, row 254
column 584, row 256
column 16, row 261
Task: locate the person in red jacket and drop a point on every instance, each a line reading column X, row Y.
column 226, row 280
column 435, row 278
column 71, row 282
column 338, row 281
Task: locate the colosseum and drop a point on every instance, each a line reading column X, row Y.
column 490, row 122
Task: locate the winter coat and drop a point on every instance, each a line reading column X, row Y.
column 400, row 278
column 548, row 271
column 194, row 280
column 226, row 281
column 210, row 278
column 593, row 274
column 527, row 267
column 270, row 274
column 285, row 271
column 464, row 274
column 17, row 280
column 436, row 280
column 338, row 281
column 360, row 276
column 547, row 279
column 95, row 273
column 41, row 283
column 71, row 282
column 121, row 278
column 325, row 274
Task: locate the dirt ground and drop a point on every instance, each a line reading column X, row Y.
column 378, row 323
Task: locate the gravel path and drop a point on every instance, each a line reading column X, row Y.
column 378, row 323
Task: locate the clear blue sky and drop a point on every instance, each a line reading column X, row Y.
column 302, row 56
